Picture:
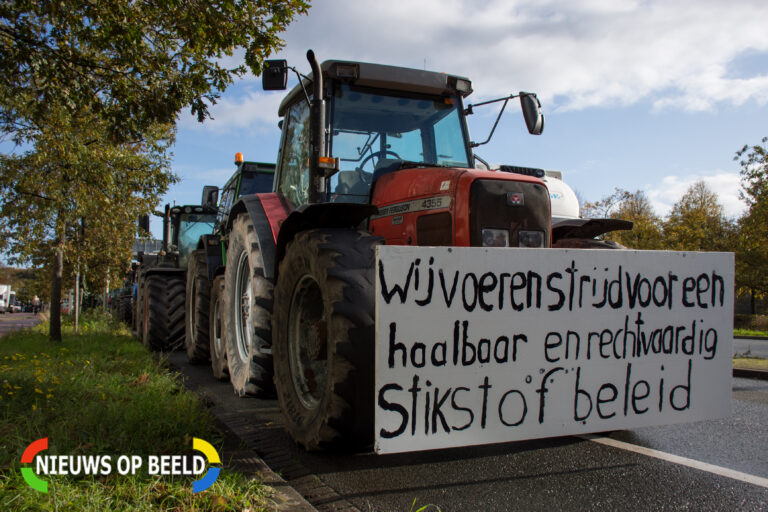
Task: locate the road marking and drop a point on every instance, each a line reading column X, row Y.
column 683, row 461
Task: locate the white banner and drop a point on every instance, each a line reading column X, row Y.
column 486, row 345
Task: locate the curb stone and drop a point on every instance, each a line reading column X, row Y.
column 247, row 461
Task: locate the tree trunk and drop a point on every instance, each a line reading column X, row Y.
column 106, row 293
column 77, row 300
column 752, row 301
column 58, row 270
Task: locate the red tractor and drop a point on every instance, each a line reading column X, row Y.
column 370, row 154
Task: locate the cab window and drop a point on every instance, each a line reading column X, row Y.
column 294, row 162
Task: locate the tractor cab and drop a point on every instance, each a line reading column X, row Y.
column 182, row 228
column 248, row 178
column 397, row 139
column 374, row 126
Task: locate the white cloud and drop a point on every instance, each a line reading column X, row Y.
column 586, row 53
column 252, row 109
column 725, row 184
column 576, row 54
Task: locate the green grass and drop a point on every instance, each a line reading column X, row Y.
column 749, row 332
column 750, row 363
column 101, row 393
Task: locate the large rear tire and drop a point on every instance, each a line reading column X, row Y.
column 154, row 332
column 176, row 301
column 198, row 298
column 324, row 333
column 218, row 347
column 247, row 313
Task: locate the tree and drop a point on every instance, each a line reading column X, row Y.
column 751, row 247
column 131, row 63
column 26, row 282
column 74, row 172
column 94, row 88
column 697, row 222
column 631, row 206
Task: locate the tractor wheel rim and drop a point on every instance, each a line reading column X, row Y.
column 242, row 302
column 191, row 313
column 307, row 342
column 217, row 328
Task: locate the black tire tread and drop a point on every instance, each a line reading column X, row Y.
column 155, row 331
column 255, row 377
column 197, row 341
column 219, row 364
column 176, row 302
column 343, row 264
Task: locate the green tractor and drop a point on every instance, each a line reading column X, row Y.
column 206, row 325
column 161, row 277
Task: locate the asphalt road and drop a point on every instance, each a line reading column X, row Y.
column 755, row 347
column 569, row 473
column 14, row 321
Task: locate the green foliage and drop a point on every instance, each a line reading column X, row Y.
column 103, row 393
column 634, row 207
column 95, row 89
column 26, row 282
column 752, row 246
column 131, row 63
column 77, row 192
column 697, row 222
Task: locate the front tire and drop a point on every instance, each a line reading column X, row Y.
column 248, row 313
column 324, row 333
column 218, row 347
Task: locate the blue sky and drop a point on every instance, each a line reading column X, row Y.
column 648, row 95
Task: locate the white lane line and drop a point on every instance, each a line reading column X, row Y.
column 684, row 461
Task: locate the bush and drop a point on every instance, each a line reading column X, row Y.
column 751, row 322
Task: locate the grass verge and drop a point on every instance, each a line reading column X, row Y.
column 750, row 363
column 751, row 333
column 101, row 393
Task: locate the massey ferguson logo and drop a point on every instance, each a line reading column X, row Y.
column 515, row 199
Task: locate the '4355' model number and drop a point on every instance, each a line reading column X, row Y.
column 432, row 202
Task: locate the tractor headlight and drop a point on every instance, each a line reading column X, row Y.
column 495, row 237
column 530, row 238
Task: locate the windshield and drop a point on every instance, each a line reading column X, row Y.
column 374, row 131
column 191, row 227
column 254, row 183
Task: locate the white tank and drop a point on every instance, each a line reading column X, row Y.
column 565, row 204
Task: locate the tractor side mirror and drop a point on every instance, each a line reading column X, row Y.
column 531, row 106
column 274, row 77
column 144, row 223
column 210, row 196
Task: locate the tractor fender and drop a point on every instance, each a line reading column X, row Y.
column 587, row 228
column 214, row 259
column 320, row 215
column 267, row 212
column 156, row 271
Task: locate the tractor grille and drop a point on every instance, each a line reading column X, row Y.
column 511, row 205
